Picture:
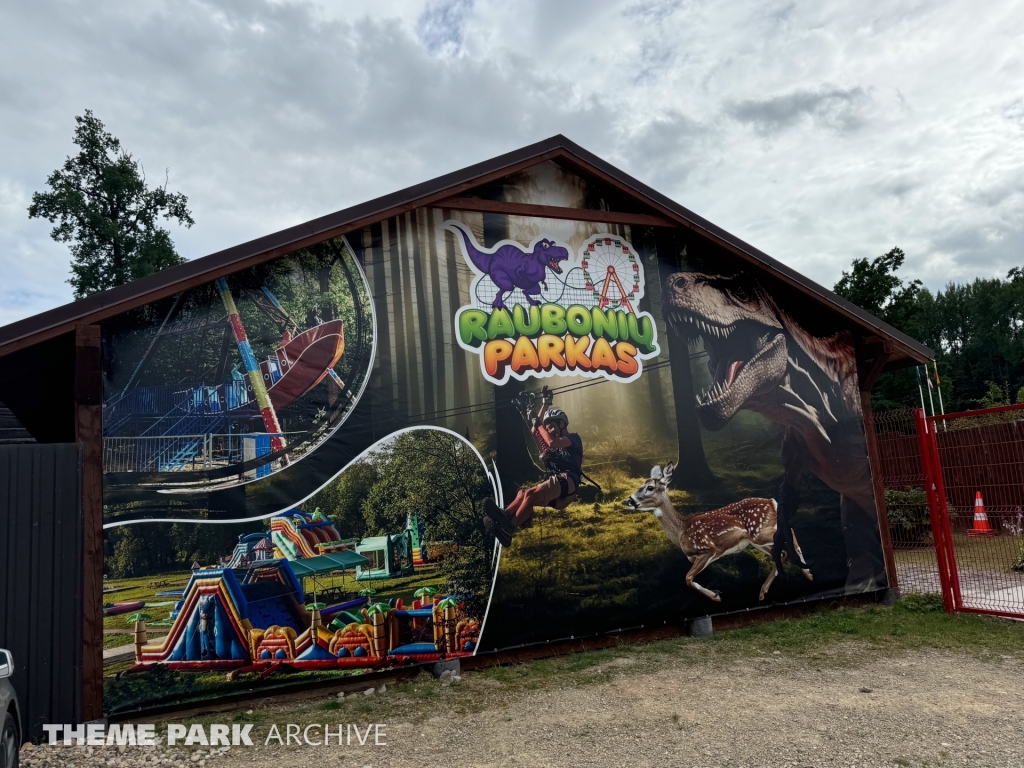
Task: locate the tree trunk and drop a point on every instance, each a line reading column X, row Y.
column 423, row 303
column 462, row 367
column 643, row 239
column 513, row 445
column 692, row 470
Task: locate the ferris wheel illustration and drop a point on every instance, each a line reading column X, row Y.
column 612, row 273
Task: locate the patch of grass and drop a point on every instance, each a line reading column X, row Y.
column 404, row 587
column 997, row 554
column 138, row 588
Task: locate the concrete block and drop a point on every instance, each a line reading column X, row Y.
column 699, row 627
column 451, row 665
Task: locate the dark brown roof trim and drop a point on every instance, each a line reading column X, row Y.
column 104, row 304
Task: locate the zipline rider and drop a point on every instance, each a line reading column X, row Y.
column 562, row 454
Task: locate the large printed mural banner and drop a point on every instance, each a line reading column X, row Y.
column 451, row 432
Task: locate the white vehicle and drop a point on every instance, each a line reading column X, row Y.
column 10, row 735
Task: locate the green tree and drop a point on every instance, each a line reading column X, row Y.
column 873, row 285
column 994, row 396
column 976, row 330
column 137, row 550
column 102, row 206
column 433, row 473
column 342, row 500
column 440, row 477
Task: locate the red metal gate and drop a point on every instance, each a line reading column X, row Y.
column 973, row 465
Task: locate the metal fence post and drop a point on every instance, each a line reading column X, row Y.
column 930, row 488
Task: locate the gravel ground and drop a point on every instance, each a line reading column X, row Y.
column 931, row 708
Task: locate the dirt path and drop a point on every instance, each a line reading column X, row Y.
column 931, row 708
column 841, row 706
column 923, row 708
column 927, row 709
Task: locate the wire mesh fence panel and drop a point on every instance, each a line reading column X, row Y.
column 907, row 505
column 979, row 457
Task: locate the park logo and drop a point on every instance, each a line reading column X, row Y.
column 540, row 311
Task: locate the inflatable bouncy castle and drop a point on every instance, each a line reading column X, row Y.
column 255, row 619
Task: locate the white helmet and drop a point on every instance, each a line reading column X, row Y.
column 556, row 414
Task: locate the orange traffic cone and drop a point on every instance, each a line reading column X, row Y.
column 981, row 526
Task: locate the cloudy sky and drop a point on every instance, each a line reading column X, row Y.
column 818, row 132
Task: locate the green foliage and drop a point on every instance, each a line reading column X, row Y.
column 917, row 603
column 137, row 550
column 911, row 496
column 874, row 286
column 1018, row 564
column 975, row 329
column 426, row 471
column 130, row 556
column 343, row 499
column 994, row 396
column 101, row 204
column 909, row 518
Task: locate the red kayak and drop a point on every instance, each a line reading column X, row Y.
column 114, row 609
column 304, row 361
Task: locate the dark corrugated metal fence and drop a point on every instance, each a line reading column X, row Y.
column 41, row 579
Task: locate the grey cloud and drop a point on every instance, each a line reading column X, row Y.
column 267, row 114
column 665, row 150
column 653, row 11
column 841, row 109
column 1014, row 112
column 978, row 250
column 897, row 185
column 271, row 112
column 441, row 25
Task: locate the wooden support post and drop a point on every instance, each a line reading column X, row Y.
column 89, row 433
column 870, row 362
column 556, row 212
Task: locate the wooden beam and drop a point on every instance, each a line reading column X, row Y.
column 871, row 362
column 555, row 212
column 89, row 433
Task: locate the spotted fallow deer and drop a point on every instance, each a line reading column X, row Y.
column 710, row 536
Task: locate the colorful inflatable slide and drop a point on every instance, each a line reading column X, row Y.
column 254, row 619
column 297, row 534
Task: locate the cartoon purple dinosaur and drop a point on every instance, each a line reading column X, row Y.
column 511, row 267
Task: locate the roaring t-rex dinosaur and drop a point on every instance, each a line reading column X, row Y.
column 509, row 266
column 762, row 360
